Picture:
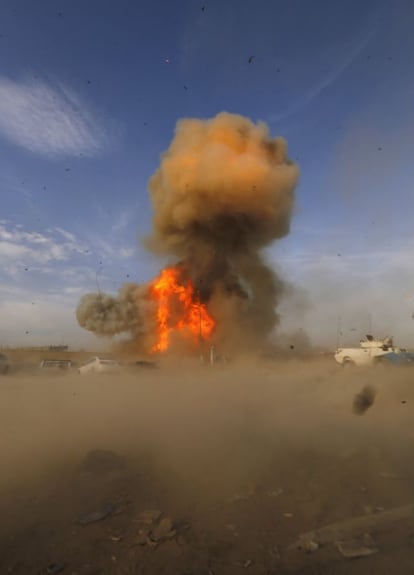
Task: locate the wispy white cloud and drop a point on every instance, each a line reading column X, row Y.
column 43, row 275
column 122, row 220
column 126, row 253
column 19, row 247
column 46, row 120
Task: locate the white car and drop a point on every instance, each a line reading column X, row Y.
column 100, row 365
column 369, row 352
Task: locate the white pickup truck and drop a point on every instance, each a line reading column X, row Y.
column 369, row 352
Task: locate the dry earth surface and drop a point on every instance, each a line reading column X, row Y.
column 240, row 459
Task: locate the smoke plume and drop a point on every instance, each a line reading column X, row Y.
column 224, row 191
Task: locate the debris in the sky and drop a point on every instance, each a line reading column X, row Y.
column 167, row 61
column 277, row 70
column 339, row 255
column 364, row 400
column 379, row 149
column 250, row 60
column 26, row 269
column 27, row 332
column 67, row 169
column 203, row 8
column 185, row 87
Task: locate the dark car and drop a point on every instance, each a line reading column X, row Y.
column 145, row 364
column 4, row 363
column 400, row 358
column 56, row 364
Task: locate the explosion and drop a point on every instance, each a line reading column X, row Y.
column 224, row 191
column 191, row 318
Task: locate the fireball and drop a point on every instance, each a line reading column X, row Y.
column 179, row 310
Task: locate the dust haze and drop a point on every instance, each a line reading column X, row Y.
column 248, row 455
column 224, row 190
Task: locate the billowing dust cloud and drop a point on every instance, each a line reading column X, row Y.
column 223, row 192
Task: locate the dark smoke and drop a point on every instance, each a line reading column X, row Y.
column 223, row 192
column 131, row 311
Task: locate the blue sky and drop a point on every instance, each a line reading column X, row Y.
column 90, row 93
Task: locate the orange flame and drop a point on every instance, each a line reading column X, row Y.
column 178, row 310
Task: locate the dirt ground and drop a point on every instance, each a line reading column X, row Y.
column 242, row 458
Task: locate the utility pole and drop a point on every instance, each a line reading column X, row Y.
column 369, row 324
column 338, row 331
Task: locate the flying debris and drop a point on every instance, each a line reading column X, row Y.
column 250, row 60
column 167, row 61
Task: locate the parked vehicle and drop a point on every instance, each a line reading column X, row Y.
column 401, row 358
column 369, row 352
column 100, row 365
column 56, row 364
column 4, row 363
column 144, row 363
